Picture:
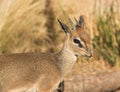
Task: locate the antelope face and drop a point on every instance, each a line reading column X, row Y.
column 77, row 39
column 80, row 43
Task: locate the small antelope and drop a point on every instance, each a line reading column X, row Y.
column 42, row 72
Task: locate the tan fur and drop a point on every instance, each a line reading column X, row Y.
column 18, row 70
column 41, row 72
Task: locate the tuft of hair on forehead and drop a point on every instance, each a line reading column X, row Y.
column 84, row 36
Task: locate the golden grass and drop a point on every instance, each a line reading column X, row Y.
column 24, row 28
column 31, row 25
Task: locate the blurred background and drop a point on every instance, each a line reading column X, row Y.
column 31, row 26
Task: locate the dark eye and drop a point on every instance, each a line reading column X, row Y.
column 76, row 41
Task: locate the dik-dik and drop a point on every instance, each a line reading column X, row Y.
column 42, row 72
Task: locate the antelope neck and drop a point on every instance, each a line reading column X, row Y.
column 65, row 59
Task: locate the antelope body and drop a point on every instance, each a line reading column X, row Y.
column 42, row 72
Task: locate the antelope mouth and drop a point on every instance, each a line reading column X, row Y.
column 88, row 56
column 85, row 54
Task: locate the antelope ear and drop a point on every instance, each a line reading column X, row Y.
column 64, row 27
column 81, row 22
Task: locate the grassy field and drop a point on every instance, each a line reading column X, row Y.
column 31, row 26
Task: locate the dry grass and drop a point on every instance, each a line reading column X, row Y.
column 24, row 28
column 31, row 26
